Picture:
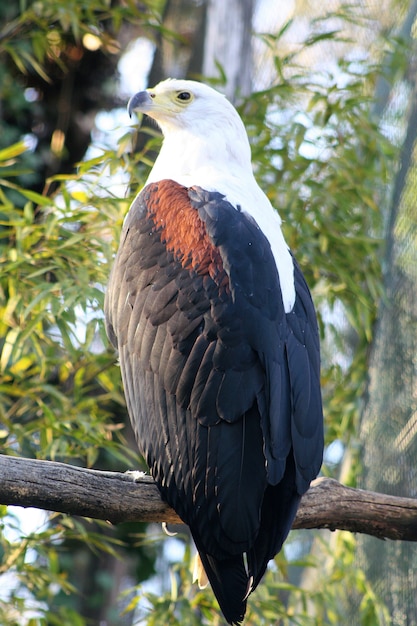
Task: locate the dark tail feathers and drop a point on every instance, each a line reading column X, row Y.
column 231, row 584
column 234, row 578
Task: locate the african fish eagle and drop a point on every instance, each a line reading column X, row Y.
column 218, row 342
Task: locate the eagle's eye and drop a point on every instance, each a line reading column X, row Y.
column 184, row 95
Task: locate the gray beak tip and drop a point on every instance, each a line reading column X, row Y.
column 140, row 100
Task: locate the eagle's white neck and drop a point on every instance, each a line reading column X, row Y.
column 218, row 162
column 213, row 149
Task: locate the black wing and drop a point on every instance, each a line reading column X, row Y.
column 222, row 387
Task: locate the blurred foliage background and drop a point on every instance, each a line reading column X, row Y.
column 331, row 114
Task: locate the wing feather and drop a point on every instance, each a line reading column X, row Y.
column 222, row 386
column 240, row 471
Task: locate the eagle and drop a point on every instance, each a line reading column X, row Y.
column 218, row 341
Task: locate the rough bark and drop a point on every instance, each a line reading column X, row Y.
column 228, row 45
column 125, row 497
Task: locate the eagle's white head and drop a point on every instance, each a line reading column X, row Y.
column 206, row 144
column 199, row 125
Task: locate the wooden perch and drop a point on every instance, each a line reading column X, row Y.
column 120, row 497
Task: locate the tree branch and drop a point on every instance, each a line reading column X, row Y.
column 120, row 497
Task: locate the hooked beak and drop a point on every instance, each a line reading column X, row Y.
column 141, row 101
